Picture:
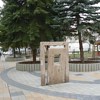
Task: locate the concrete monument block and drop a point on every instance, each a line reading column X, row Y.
column 58, row 69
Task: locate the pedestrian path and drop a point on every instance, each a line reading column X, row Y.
column 4, row 90
column 19, row 85
column 38, row 96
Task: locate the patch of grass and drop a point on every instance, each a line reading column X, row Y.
column 77, row 54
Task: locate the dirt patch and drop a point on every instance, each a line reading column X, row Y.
column 89, row 60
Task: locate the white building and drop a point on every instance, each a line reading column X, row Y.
column 74, row 44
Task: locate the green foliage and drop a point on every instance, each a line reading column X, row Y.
column 76, row 16
column 26, row 22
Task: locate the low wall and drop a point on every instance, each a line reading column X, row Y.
column 84, row 67
column 27, row 67
column 72, row 67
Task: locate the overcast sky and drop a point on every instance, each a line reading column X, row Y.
column 1, row 3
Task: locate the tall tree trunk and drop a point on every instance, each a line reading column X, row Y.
column 19, row 51
column 25, row 51
column 14, row 54
column 80, row 39
column 93, row 51
column 81, row 47
column 42, row 36
column 34, row 55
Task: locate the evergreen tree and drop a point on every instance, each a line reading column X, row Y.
column 13, row 24
column 80, row 16
column 27, row 22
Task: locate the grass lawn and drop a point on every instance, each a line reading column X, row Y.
column 77, row 55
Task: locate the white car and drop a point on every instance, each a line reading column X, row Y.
column 7, row 53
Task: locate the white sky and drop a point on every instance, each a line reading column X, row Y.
column 1, row 3
column 98, row 4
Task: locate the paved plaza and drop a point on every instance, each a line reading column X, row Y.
column 21, row 85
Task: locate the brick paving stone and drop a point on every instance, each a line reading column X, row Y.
column 95, row 75
column 37, row 96
column 19, row 98
column 26, row 86
column 80, row 78
column 4, row 91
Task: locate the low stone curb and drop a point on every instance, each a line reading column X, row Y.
column 84, row 67
column 27, row 67
column 72, row 67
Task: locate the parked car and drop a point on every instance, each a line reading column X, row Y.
column 7, row 53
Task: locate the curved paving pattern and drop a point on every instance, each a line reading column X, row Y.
column 82, row 86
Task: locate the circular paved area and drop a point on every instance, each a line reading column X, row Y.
column 82, row 86
column 26, row 86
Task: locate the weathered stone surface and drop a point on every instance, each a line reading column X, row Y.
column 57, row 72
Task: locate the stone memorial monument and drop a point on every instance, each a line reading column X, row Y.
column 57, row 70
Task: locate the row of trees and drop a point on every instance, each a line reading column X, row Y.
column 79, row 18
column 27, row 22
